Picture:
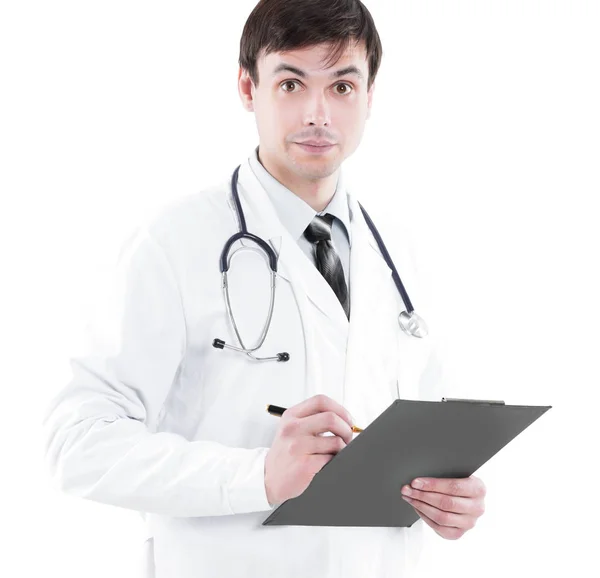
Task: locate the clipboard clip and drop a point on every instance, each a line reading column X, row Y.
column 490, row 401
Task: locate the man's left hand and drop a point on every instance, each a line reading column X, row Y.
column 451, row 506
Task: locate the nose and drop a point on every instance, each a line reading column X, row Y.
column 317, row 111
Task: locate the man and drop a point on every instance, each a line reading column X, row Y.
column 158, row 420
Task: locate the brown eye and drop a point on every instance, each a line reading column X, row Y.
column 346, row 91
column 287, row 83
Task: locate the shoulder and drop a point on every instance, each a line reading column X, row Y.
column 196, row 214
column 190, row 220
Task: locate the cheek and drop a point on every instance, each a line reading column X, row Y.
column 271, row 113
column 349, row 131
column 284, row 115
column 351, row 118
column 272, row 124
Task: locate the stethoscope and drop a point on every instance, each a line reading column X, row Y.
column 408, row 320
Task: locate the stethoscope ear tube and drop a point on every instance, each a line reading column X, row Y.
column 220, row 344
column 224, row 261
column 224, row 264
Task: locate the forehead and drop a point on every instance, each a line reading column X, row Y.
column 313, row 59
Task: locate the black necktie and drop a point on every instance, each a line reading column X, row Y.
column 328, row 261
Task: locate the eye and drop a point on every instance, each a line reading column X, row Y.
column 345, row 84
column 287, row 82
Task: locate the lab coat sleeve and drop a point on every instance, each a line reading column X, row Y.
column 98, row 437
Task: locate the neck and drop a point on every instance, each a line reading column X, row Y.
column 316, row 192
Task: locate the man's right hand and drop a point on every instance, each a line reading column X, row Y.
column 299, row 451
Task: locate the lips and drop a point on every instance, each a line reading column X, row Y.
column 315, row 149
column 315, row 143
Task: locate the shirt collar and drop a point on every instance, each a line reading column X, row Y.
column 294, row 213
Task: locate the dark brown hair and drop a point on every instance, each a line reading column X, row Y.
column 283, row 25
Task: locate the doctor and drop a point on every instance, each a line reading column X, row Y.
column 160, row 419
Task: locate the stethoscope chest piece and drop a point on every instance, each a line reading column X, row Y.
column 412, row 324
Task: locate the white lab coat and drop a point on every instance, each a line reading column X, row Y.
column 157, row 420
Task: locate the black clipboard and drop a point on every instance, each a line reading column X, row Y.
column 361, row 485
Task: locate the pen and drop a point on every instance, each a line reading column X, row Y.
column 278, row 411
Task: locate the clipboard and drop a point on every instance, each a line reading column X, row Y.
column 361, row 485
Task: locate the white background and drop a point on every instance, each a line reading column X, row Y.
column 483, row 140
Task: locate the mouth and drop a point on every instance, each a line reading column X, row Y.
column 315, row 149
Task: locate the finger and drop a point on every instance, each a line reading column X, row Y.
column 445, row 502
column 317, row 404
column 462, row 521
column 465, row 487
column 317, row 462
column 324, row 445
column 327, row 421
column 443, row 531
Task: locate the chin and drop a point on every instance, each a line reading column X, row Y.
column 315, row 170
column 314, row 167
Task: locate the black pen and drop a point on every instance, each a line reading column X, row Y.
column 278, row 411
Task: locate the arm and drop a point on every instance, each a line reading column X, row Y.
column 97, row 430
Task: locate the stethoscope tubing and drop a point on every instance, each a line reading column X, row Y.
column 409, row 321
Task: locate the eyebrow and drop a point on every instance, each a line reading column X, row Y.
column 342, row 72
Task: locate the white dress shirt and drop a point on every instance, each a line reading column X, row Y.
column 296, row 214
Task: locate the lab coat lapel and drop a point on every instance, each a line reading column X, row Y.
column 293, row 264
column 371, row 360
column 383, row 362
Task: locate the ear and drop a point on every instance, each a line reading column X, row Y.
column 245, row 89
column 370, row 99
